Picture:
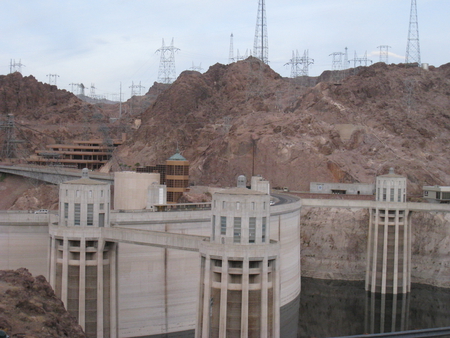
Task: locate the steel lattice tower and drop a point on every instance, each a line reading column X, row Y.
column 167, row 73
column 413, row 46
column 231, row 54
column 300, row 65
column 261, row 46
column 384, row 53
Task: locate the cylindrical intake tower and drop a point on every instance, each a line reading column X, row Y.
column 389, row 242
column 240, row 279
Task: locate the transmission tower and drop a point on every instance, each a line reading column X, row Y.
column 261, row 46
column 15, row 66
column 196, row 68
column 167, row 73
column 413, row 46
column 92, row 92
column 52, row 79
column 384, row 53
column 300, row 65
column 241, row 57
column 136, row 89
column 362, row 61
column 231, row 54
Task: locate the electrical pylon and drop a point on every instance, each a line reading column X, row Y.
column 231, row 54
column 15, row 66
column 384, row 53
column 167, row 73
column 300, row 65
column 52, row 79
column 362, row 61
column 413, row 46
column 261, row 46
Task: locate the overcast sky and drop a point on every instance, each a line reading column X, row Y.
column 108, row 42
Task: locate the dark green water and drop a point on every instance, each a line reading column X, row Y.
column 340, row 308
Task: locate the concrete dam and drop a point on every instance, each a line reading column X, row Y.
column 224, row 272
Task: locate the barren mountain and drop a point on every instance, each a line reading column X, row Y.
column 244, row 118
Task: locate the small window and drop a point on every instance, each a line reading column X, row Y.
column 238, row 205
column 223, row 204
column 237, row 230
column 101, row 193
column 90, row 193
column 392, row 195
column 66, row 210
column 78, row 193
column 223, row 225
column 90, row 215
column 213, row 227
column 77, row 209
column 252, row 230
column 384, row 194
column 264, row 226
column 102, row 206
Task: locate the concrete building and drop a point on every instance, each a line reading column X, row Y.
column 240, row 273
column 341, row 188
column 131, row 189
column 83, row 266
column 389, row 242
column 436, row 194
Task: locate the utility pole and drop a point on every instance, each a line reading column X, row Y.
column 261, row 46
column 167, row 73
column 413, row 46
column 384, row 53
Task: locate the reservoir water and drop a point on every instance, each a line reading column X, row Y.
column 342, row 308
column 330, row 308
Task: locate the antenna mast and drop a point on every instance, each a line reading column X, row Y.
column 413, row 46
column 167, row 73
column 261, row 47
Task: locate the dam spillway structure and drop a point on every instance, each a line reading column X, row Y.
column 389, row 241
column 240, row 272
column 83, row 266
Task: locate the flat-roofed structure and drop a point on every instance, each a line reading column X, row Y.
column 436, row 194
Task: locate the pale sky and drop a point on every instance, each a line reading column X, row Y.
column 108, row 42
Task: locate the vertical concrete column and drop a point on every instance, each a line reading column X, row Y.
column 245, row 289
column 65, row 271
column 113, row 261
column 264, row 297
column 276, row 284
column 369, row 249
column 101, row 245
column 52, row 260
column 374, row 252
column 223, row 299
column 206, row 321
column 396, row 255
column 385, row 251
column 82, row 283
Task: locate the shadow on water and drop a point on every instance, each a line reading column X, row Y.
column 342, row 308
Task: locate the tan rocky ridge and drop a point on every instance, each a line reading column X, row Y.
column 244, row 118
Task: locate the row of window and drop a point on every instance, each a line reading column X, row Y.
column 238, row 206
column 89, row 193
column 392, row 195
column 89, row 214
column 237, row 228
column 182, row 170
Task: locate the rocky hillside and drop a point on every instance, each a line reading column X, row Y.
column 244, row 118
column 30, row 309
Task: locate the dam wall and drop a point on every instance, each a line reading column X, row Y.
column 157, row 287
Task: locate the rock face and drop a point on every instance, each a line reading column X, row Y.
column 30, row 309
column 243, row 118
